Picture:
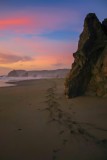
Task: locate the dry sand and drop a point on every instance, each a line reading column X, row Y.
column 37, row 122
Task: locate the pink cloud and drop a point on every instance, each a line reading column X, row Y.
column 38, row 21
column 11, row 22
column 36, row 46
column 45, row 53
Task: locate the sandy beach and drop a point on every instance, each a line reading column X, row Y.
column 37, row 122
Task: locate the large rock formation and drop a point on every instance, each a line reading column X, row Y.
column 88, row 74
column 17, row 73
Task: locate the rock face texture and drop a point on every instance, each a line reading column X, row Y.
column 88, row 74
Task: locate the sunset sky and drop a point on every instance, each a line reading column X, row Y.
column 42, row 34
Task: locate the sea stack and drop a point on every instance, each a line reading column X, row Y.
column 88, row 74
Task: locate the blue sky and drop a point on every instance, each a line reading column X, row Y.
column 39, row 34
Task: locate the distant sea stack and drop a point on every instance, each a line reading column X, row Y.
column 88, row 74
column 17, row 73
column 59, row 73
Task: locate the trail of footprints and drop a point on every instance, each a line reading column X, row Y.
column 75, row 128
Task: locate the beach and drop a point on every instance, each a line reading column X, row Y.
column 38, row 122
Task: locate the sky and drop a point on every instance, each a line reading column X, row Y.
column 42, row 34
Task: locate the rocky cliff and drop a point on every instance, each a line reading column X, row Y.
column 88, row 74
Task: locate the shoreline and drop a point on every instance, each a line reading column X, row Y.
column 19, row 81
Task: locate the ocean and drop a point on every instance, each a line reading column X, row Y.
column 5, row 79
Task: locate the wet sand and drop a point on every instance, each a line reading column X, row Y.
column 37, row 122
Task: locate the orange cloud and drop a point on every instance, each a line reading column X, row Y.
column 4, row 70
column 45, row 53
column 8, row 58
column 41, row 62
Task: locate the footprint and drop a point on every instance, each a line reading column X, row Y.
column 61, row 132
column 65, row 141
column 19, row 129
column 54, row 157
column 56, row 150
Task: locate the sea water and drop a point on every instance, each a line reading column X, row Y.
column 4, row 81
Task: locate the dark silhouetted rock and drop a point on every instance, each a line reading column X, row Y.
column 17, row 73
column 88, row 74
column 104, row 26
